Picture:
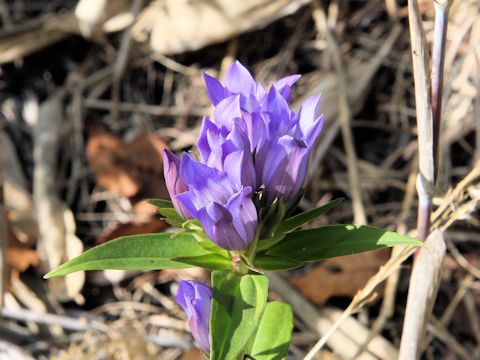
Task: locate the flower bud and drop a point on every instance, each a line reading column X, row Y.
column 175, row 184
column 195, row 299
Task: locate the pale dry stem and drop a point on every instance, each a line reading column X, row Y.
column 320, row 19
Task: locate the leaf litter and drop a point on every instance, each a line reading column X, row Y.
column 101, row 159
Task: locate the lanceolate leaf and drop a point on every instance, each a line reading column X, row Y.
column 171, row 216
column 211, row 261
column 295, row 221
column 138, row 252
column 274, row 333
column 336, row 240
column 267, row 262
column 166, row 209
column 209, row 245
column 237, row 306
column 160, row 203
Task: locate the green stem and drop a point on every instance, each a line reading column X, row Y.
column 252, row 248
column 238, row 264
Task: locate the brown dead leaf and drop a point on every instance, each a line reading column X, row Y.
column 192, row 354
column 130, row 169
column 150, row 225
column 341, row 276
column 134, row 170
column 132, row 228
column 19, row 256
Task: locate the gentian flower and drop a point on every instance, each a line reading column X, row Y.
column 253, row 141
column 195, row 299
column 175, row 184
column 241, row 100
column 223, row 206
column 239, row 81
column 227, row 151
column 282, row 163
column 281, row 140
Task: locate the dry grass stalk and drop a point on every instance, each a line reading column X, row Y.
column 425, row 277
column 423, row 288
column 476, row 112
column 367, row 293
column 388, row 304
column 20, row 42
column 56, row 223
column 449, row 211
column 122, row 58
column 351, row 333
column 426, row 178
column 3, row 229
column 438, row 59
column 459, row 202
column 364, row 296
column 343, row 112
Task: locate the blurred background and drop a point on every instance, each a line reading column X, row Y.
column 91, row 91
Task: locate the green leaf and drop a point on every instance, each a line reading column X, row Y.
column 209, row 245
column 295, row 221
column 171, row 216
column 210, row 261
column 138, row 252
column 193, row 225
column 160, row 203
column 274, row 333
column 265, row 244
column 168, row 211
column 271, row 263
column 337, row 240
column 272, row 218
column 237, row 306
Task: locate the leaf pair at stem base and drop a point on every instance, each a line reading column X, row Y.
column 243, row 324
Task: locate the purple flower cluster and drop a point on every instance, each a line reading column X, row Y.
column 254, row 141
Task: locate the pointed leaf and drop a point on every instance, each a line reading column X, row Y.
column 171, row 216
column 271, row 263
column 193, row 225
column 237, row 306
column 138, row 252
column 160, row 203
column 209, row 245
column 273, row 336
column 210, row 261
column 295, row 221
column 337, row 240
column 265, row 244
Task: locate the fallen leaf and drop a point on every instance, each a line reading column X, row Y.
column 189, row 22
column 132, row 169
column 192, row 354
column 19, row 256
column 93, row 14
column 132, row 228
column 340, row 276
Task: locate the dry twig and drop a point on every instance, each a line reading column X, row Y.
column 344, row 113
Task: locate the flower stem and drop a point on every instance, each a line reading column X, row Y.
column 238, row 264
